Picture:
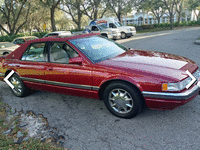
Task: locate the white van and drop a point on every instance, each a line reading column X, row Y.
column 126, row 31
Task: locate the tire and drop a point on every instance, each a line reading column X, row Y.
column 5, row 53
column 19, row 90
column 123, row 35
column 104, row 35
column 122, row 100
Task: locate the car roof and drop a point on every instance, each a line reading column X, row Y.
column 19, row 51
column 25, row 37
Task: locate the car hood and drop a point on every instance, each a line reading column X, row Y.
column 155, row 63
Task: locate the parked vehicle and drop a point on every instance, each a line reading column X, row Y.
column 7, row 47
column 126, row 31
column 104, row 31
column 92, row 66
column 21, row 40
column 58, row 33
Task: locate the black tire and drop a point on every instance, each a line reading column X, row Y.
column 19, row 90
column 123, row 35
column 5, row 53
column 122, row 100
column 104, row 35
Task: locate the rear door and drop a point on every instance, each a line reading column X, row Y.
column 33, row 64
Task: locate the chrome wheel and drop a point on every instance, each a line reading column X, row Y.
column 120, row 101
column 123, row 35
column 17, row 85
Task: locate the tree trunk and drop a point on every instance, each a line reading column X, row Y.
column 171, row 20
column 158, row 18
column 53, row 24
column 179, row 19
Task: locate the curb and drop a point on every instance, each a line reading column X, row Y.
column 197, row 42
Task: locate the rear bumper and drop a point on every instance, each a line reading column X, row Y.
column 162, row 100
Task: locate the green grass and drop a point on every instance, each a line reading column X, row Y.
column 7, row 141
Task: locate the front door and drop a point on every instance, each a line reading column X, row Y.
column 67, row 78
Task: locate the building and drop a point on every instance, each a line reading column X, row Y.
column 137, row 18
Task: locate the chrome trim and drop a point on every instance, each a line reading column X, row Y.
column 2, row 74
column 33, row 80
column 79, row 86
column 177, row 96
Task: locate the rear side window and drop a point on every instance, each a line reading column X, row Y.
column 35, row 52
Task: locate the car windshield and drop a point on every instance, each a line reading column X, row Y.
column 118, row 24
column 97, row 48
column 102, row 27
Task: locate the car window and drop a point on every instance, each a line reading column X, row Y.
column 52, row 34
column 19, row 41
column 111, row 25
column 60, row 52
column 35, row 52
column 94, row 28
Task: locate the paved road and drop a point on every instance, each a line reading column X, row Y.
column 87, row 124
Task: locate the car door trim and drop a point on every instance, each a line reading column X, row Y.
column 79, row 86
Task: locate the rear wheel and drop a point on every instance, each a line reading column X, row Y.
column 122, row 100
column 19, row 89
column 123, row 35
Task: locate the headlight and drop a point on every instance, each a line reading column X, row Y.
column 176, row 86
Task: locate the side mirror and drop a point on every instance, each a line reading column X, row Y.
column 76, row 60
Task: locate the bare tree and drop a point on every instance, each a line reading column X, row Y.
column 12, row 11
column 52, row 4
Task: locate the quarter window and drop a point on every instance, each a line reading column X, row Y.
column 35, row 53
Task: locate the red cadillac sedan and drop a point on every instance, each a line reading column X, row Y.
column 93, row 66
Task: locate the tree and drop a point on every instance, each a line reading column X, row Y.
column 74, row 9
column 120, row 7
column 193, row 6
column 179, row 8
column 12, row 12
column 158, row 9
column 93, row 7
column 52, row 4
column 170, row 6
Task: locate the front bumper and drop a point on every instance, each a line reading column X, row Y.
column 162, row 100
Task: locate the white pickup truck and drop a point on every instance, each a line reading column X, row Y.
column 126, row 31
column 104, row 31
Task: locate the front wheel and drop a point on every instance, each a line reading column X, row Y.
column 19, row 89
column 122, row 100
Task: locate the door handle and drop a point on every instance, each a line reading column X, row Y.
column 50, row 69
